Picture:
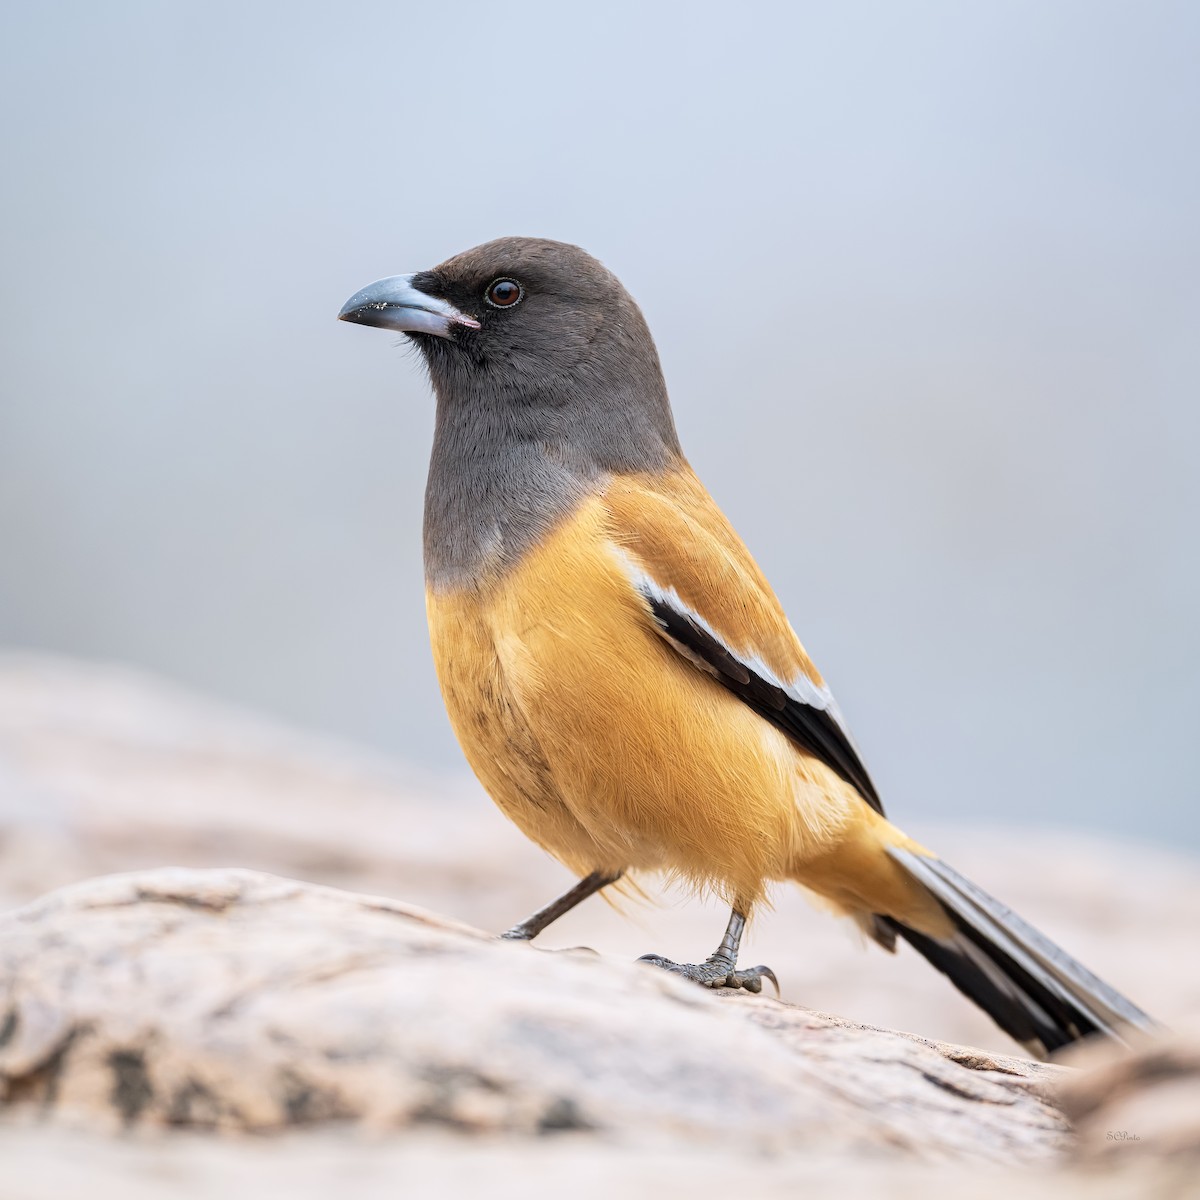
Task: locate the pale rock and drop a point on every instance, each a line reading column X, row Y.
column 235, row 1000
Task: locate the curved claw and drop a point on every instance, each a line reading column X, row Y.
column 752, row 978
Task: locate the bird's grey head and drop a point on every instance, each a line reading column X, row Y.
column 539, row 332
column 547, row 383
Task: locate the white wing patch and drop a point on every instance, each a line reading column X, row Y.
column 798, row 707
column 800, row 688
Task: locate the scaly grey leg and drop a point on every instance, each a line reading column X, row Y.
column 588, row 886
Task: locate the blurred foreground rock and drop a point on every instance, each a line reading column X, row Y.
column 1137, row 1108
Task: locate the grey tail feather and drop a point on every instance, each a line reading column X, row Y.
column 1036, row 992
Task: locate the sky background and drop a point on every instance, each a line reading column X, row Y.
column 925, row 279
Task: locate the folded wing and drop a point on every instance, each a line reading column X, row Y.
column 708, row 599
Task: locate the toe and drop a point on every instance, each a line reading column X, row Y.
column 657, row 960
column 755, row 977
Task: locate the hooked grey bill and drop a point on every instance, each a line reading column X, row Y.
column 394, row 303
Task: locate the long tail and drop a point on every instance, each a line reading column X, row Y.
column 1032, row 989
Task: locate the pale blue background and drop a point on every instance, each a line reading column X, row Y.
column 925, row 278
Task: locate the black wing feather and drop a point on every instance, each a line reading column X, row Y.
column 813, row 729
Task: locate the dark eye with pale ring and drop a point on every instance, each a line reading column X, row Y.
column 504, row 293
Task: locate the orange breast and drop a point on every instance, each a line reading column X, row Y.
column 603, row 744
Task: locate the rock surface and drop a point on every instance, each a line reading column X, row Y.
column 49, row 1164
column 1137, row 1108
column 239, row 1001
column 159, row 1004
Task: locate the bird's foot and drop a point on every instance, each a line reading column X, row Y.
column 716, row 972
column 518, row 933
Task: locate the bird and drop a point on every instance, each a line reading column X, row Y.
column 616, row 668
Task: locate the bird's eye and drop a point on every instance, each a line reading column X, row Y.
column 504, row 293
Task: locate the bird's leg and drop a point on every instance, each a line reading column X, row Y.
column 720, row 968
column 587, row 886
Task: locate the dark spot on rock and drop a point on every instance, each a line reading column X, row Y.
column 965, row 1087
column 8, row 1027
column 40, row 1086
column 304, row 1102
column 216, row 903
column 131, row 1084
column 194, row 1104
column 298, row 1101
column 447, row 1086
column 562, row 1114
